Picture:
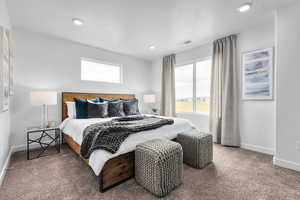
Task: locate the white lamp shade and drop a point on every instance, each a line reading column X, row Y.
column 149, row 98
column 43, row 98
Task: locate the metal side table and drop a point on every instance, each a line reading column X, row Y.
column 44, row 137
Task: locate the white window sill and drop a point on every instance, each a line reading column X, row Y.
column 102, row 82
column 193, row 113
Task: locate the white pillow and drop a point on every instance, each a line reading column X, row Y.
column 71, row 109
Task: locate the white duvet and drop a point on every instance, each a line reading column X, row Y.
column 74, row 128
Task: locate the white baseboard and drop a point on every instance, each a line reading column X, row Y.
column 23, row 147
column 17, row 148
column 5, row 166
column 258, row 148
column 286, row 164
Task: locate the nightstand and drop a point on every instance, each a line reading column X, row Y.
column 43, row 138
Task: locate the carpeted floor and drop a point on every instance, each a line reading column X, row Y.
column 235, row 174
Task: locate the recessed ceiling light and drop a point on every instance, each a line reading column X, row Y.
column 245, row 7
column 77, row 22
column 152, row 47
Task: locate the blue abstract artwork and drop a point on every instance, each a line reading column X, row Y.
column 257, row 72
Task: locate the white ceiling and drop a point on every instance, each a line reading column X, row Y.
column 131, row 26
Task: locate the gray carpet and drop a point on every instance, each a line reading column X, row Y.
column 236, row 174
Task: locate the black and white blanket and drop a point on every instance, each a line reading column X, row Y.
column 110, row 135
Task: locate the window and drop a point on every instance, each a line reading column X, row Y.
column 184, row 88
column 203, row 73
column 93, row 70
column 192, row 82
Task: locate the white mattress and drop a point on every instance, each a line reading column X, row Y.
column 75, row 127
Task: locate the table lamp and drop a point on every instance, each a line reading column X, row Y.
column 150, row 99
column 43, row 98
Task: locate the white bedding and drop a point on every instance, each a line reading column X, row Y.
column 75, row 127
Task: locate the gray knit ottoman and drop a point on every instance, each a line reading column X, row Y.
column 197, row 148
column 158, row 166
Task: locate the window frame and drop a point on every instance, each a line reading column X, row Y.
column 105, row 63
column 194, row 63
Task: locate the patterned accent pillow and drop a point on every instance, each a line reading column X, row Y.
column 97, row 109
column 115, row 109
column 131, row 107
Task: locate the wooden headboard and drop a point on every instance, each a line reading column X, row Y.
column 69, row 96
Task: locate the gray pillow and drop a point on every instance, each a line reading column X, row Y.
column 115, row 109
column 97, row 109
column 131, row 107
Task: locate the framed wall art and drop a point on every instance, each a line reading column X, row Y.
column 5, row 60
column 257, row 75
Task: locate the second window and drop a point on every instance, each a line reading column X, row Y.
column 192, row 83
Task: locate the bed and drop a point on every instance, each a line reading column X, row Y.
column 112, row 169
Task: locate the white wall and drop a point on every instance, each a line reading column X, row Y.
column 44, row 62
column 257, row 118
column 288, row 81
column 5, row 116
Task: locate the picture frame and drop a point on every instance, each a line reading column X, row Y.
column 257, row 74
column 5, row 92
column 4, row 69
column 11, row 65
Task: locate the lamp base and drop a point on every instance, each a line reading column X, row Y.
column 44, row 123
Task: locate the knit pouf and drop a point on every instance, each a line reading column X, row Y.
column 197, row 148
column 158, row 166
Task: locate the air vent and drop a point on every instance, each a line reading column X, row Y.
column 187, row 42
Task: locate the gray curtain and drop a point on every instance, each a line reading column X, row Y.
column 224, row 106
column 168, row 86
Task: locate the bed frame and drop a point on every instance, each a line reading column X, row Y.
column 115, row 170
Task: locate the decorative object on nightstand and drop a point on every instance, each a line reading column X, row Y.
column 52, row 124
column 45, row 137
column 151, row 99
column 44, row 98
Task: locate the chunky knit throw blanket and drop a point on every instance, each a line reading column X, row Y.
column 110, row 135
